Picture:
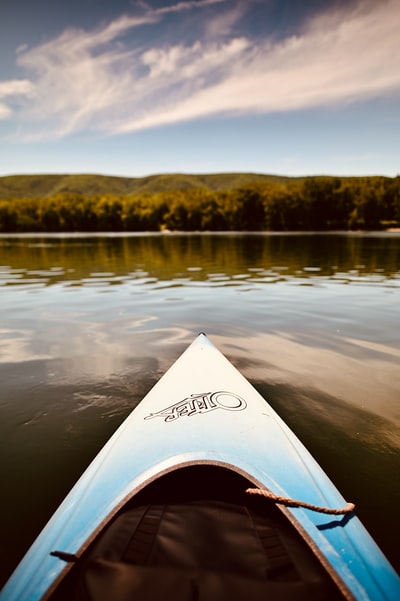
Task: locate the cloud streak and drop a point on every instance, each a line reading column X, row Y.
column 16, row 88
column 107, row 81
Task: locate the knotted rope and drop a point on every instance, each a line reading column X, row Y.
column 293, row 503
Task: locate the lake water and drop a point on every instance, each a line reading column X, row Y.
column 89, row 323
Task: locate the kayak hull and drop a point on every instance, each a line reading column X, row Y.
column 204, row 412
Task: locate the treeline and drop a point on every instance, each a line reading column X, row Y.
column 314, row 203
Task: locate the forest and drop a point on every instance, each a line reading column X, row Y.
column 207, row 203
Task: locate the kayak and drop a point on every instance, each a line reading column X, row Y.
column 203, row 492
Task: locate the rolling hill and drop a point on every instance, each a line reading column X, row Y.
column 42, row 186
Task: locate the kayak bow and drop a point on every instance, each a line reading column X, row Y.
column 204, row 415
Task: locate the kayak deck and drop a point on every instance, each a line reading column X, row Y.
column 196, row 534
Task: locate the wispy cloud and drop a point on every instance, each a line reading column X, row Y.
column 181, row 6
column 107, row 81
column 12, row 89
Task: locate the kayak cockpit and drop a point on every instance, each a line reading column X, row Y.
column 195, row 534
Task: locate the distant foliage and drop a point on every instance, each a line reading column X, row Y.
column 307, row 204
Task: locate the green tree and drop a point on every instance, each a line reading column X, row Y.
column 248, row 210
column 283, row 208
column 320, row 203
column 108, row 210
column 212, row 217
column 8, row 217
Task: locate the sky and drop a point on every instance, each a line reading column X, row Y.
column 135, row 87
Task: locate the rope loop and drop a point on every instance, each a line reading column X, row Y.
column 294, row 503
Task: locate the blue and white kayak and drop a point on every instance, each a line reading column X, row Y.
column 203, row 492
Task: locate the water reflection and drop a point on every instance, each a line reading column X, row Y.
column 148, row 259
column 367, row 381
column 92, row 302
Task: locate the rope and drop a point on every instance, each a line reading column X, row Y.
column 293, row 503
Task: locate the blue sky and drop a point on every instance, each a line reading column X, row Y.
column 119, row 87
